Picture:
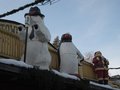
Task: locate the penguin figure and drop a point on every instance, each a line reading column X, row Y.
column 70, row 56
column 37, row 53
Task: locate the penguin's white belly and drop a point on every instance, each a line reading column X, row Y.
column 69, row 63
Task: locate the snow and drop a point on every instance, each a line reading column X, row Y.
column 105, row 86
column 15, row 62
column 65, row 75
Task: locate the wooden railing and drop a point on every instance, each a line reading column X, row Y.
column 10, row 44
column 86, row 71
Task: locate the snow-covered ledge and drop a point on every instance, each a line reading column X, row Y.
column 104, row 86
column 15, row 62
column 65, row 75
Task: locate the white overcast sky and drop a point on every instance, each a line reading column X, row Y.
column 94, row 24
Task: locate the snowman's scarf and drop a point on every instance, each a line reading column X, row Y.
column 42, row 34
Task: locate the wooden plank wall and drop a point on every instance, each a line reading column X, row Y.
column 10, row 45
column 86, row 71
column 55, row 62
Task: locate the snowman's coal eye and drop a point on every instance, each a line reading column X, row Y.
column 20, row 28
column 35, row 26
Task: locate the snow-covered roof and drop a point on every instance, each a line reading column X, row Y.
column 105, row 86
column 66, row 75
column 15, row 62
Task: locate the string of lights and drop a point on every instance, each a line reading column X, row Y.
column 115, row 68
column 42, row 2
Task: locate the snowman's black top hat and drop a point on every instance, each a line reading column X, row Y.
column 34, row 11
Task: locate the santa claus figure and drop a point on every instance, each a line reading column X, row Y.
column 37, row 53
column 69, row 55
column 101, row 67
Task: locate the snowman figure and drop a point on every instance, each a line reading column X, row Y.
column 37, row 53
column 70, row 56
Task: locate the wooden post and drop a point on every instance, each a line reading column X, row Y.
column 27, row 23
